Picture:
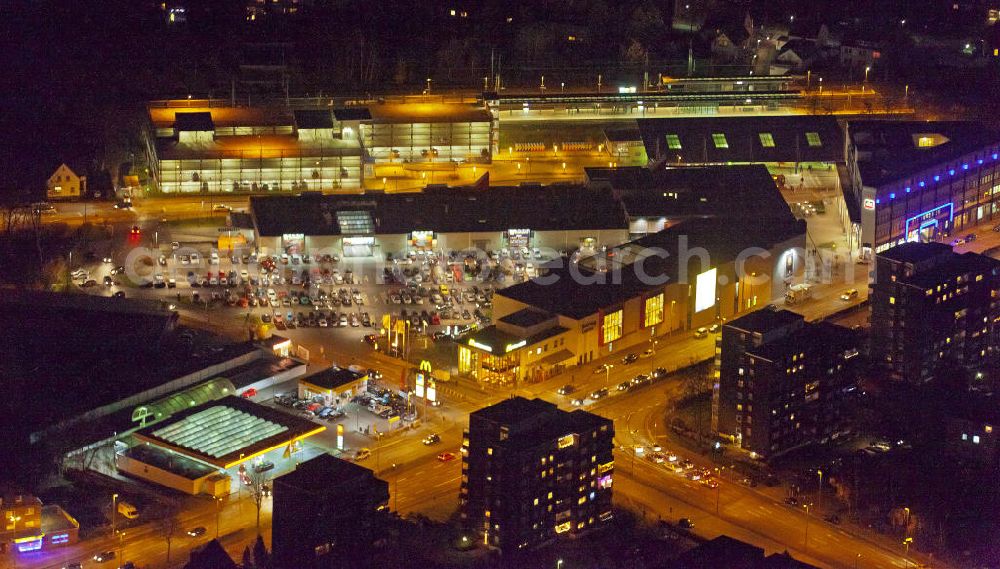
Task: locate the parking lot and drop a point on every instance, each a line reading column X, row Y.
column 436, row 293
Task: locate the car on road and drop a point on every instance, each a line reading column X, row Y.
column 196, row 532
column 73, row 566
column 849, row 294
column 577, row 402
column 221, row 207
column 631, row 358
column 432, row 438
column 104, row 556
column 647, row 354
column 566, row 389
column 701, row 333
column 625, row 386
column 446, row 456
column 714, row 328
column 685, row 523
column 833, row 519
column 361, row 454
column 601, row 368
column 599, row 394
column 710, row 483
column 641, row 379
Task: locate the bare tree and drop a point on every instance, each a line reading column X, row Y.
column 256, row 483
column 168, row 526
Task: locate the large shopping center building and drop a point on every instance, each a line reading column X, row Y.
column 217, row 146
column 557, row 217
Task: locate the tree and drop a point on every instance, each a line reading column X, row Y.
column 261, row 558
column 247, row 558
column 167, row 527
column 257, row 485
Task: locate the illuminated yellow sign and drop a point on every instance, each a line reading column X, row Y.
column 521, row 344
column 606, row 467
column 567, row 441
column 476, row 344
column 564, row 527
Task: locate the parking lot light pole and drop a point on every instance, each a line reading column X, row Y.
column 607, row 376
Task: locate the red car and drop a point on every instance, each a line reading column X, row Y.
column 446, row 456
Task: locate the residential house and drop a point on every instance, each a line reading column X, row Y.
column 66, row 184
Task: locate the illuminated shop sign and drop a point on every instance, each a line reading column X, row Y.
column 567, row 441
column 516, row 345
column 476, row 344
column 869, row 203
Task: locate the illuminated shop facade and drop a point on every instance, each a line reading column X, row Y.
column 582, row 320
column 922, row 181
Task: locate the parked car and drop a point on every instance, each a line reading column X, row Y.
column 685, row 523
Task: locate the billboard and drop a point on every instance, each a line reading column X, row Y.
column 704, row 291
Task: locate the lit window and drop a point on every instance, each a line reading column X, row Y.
column 766, row 140
column 720, row 140
column 965, row 436
column 813, row 139
column 653, row 313
column 536, row 501
column 988, row 428
column 550, row 495
column 673, row 142
column 892, row 300
column 975, row 439
column 611, row 328
column 489, row 451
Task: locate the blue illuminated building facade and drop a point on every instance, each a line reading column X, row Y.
column 921, row 181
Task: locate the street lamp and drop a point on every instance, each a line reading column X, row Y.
column 906, row 556
column 559, row 564
column 607, row 374
column 114, row 512
column 806, row 544
column 218, row 508
column 819, row 500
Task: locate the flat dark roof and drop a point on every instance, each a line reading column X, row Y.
column 723, row 238
column 826, row 334
column 310, row 119
column 764, row 320
column 526, row 318
column 891, row 152
column 444, row 210
column 352, row 114
column 260, row 369
column 199, row 121
column 318, row 474
column 332, row 377
column 739, row 190
column 536, row 422
column 914, row 252
column 743, row 139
